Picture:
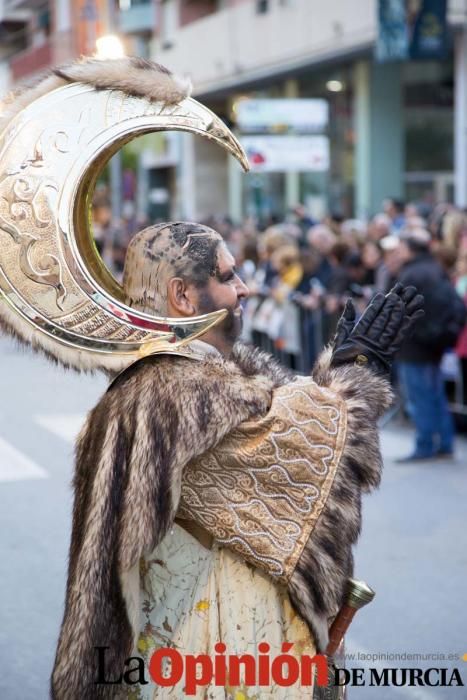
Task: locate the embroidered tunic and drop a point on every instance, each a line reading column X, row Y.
column 192, row 597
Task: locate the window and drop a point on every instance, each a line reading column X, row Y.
column 429, row 116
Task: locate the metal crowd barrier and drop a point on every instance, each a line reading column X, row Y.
column 313, row 333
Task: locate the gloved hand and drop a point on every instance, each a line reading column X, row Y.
column 385, row 324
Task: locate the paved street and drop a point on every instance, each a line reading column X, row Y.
column 413, row 549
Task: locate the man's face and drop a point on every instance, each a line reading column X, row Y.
column 224, row 291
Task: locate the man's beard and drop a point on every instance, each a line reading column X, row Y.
column 230, row 327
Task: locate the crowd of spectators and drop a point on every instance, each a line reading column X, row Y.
column 112, row 237
column 317, row 266
column 300, row 272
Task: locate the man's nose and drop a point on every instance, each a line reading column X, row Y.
column 242, row 290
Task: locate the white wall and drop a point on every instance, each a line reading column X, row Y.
column 237, row 44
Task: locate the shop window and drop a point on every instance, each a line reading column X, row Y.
column 429, row 126
column 332, row 191
column 429, row 116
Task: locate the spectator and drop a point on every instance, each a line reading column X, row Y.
column 322, row 239
column 419, row 358
column 247, row 260
column 394, row 208
column 293, row 232
column 118, row 260
column 353, row 233
column 414, row 222
column 372, row 257
column 379, row 227
column 436, row 221
column 356, row 270
column 334, row 221
column 270, row 241
column 339, row 281
column 304, row 221
column 309, row 295
column 447, row 258
column 391, row 264
column 286, row 260
column 454, row 230
column 310, row 261
column 101, row 223
column 359, row 280
column 278, row 314
column 461, row 347
column 411, row 210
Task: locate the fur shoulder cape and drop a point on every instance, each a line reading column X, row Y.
column 158, row 415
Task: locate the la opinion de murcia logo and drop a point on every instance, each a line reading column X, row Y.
column 167, row 667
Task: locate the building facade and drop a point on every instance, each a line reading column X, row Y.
column 396, row 129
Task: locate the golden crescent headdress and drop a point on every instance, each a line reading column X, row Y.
column 55, row 292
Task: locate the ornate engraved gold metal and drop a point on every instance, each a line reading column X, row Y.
column 55, row 291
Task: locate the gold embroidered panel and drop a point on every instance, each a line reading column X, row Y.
column 261, row 490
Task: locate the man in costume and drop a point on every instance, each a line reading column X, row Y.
column 224, row 493
column 217, row 496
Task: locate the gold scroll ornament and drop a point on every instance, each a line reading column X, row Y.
column 55, row 291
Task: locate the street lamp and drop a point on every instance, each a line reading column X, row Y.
column 335, row 85
column 109, row 46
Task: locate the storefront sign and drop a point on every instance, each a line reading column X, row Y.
column 287, row 153
column 301, row 114
column 429, row 38
column 414, row 30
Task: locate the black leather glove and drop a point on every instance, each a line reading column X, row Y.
column 385, row 324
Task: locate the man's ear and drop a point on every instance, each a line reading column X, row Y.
column 180, row 300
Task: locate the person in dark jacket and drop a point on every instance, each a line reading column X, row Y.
column 420, row 356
